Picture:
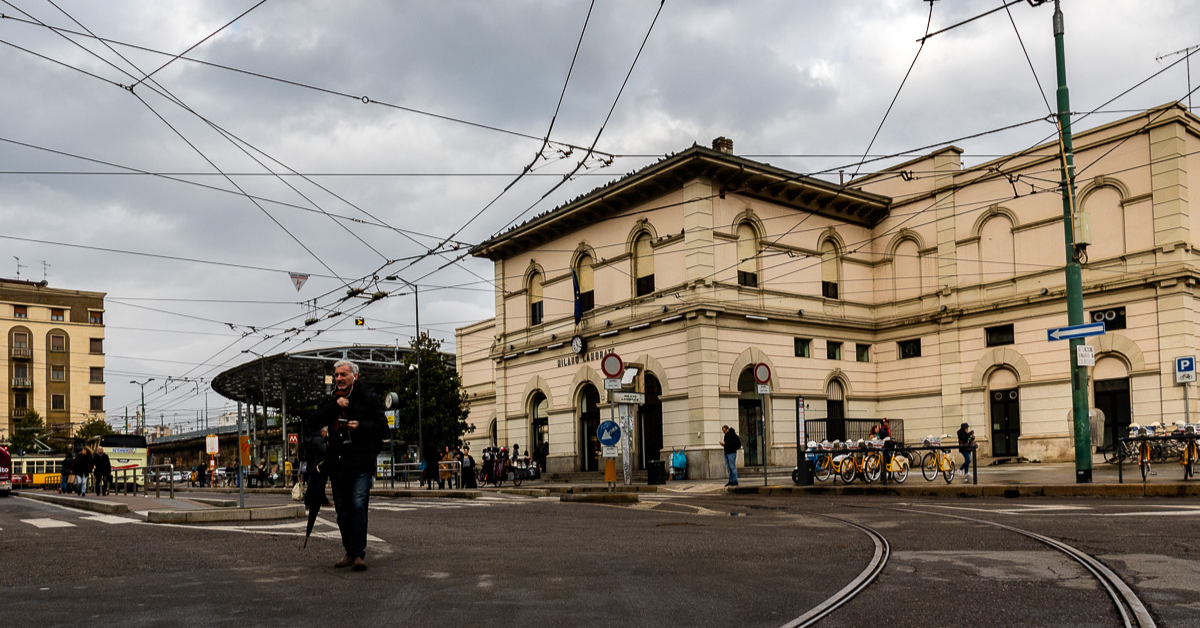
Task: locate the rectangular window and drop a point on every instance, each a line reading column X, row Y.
column 57, row 314
column 97, row 375
column 999, row 336
column 1113, row 318
column 58, row 373
column 96, row 318
column 20, row 311
column 645, row 285
column 747, row 279
column 862, row 353
column 20, row 402
column 909, row 348
column 829, row 289
column 833, row 350
column 587, row 301
column 96, row 345
column 20, row 340
column 58, row 402
column 535, row 313
column 803, row 348
column 97, row 403
column 58, row 343
column 20, row 371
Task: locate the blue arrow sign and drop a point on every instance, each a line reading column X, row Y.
column 1075, row 331
column 609, row 433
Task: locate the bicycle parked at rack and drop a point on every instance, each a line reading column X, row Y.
column 938, row 461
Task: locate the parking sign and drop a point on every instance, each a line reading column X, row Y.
column 1185, row 369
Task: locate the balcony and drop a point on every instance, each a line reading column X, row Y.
column 22, row 353
column 22, row 382
column 19, row 413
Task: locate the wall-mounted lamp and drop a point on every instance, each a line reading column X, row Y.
column 552, row 336
column 664, row 308
column 1045, row 291
column 942, row 309
column 608, row 323
column 799, row 312
column 511, row 347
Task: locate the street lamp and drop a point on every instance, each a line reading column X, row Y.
column 262, row 366
column 142, row 426
column 417, row 314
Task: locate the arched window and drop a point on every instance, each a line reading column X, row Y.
column 996, row 251
column 1108, row 223
column 540, row 427
column 589, row 422
column 747, row 252
column 831, row 269
column 906, row 269
column 536, row 311
column 643, row 265
column 587, row 286
column 750, row 419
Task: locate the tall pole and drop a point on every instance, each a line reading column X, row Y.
column 241, row 462
column 142, row 420
column 1079, row 404
column 420, row 420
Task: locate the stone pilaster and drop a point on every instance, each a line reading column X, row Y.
column 698, row 229
column 703, row 390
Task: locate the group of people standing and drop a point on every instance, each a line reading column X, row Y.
column 77, row 468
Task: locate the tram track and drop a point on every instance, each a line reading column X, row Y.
column 883, row 551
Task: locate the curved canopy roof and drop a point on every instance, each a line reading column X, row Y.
column 301, row 375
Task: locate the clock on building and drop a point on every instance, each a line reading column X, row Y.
column 578, row 345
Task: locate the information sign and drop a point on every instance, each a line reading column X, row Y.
column 211, row 446
column 1185, row 369
column 764, row 389
column 608, row 452
column 628, row 397
column 1085, row 355
column 612, row 383
column 609, row 433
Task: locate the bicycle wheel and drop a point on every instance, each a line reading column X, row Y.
column 948, row 472
column 1110, row 454
column 901, row 473
column 929, row 466
column 848, row 470
column 1189, row 459
column 824, row 467
column 871, row 468
column 516, row 479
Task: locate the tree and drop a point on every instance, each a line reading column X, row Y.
column 29, row 433
column 444, row 402
column 94, row 426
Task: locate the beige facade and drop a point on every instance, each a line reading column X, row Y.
column 923, row 293
column 53, row 344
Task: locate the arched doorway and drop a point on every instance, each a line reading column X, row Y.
column 589, row 422
column 750, row 419
column 1112, row 398
column 650, row 422
column 1004, row 401
column 539, row 423
column 835, row 411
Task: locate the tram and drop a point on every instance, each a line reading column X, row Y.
column 5, row 471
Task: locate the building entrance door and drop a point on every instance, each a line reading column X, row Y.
column 650, row 423
column 1006, row 422
column 749, row 415
column 589, row 422
column 1112, row 398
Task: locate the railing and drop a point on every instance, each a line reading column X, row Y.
column 405, row 469
column 22, row 382
column 849, row 429
column 22, row 353
column 129, row 478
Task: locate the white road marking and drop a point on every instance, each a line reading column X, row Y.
column 112, row 519
column 1189, row 512
column 1031, row 509
column 48, row 523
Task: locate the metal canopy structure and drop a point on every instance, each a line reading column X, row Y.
column 300, row 376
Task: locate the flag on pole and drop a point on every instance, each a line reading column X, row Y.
column 578, row 305
column 298, row 279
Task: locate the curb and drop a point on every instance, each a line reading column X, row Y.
column 403, row 492
column 600, row 498
column 211, row 501
column 527, row 492
column 982, row 490
column 267, row 513
column 583, row 490
column 93, row 505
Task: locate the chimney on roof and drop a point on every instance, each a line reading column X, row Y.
column 723, row 144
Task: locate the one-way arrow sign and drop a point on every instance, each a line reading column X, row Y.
column 1075, row 331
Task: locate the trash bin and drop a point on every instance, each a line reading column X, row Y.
column 656, row 472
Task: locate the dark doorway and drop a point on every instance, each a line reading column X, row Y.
column 1112, row 398
column 650, row 422
column 1006, row 422
column 749, row 420
column 540, row 425
column 589, row 422
column 835, row 408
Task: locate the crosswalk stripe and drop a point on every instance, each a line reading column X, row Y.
column 48, row 523
column 111, row 519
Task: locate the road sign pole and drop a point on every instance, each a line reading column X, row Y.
column 762, row 433
column 241, row 488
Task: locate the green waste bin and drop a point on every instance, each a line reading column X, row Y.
column 656, row 472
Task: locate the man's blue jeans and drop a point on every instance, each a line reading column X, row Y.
column 351, row 494
column 731, row 466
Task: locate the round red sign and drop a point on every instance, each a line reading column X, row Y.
column 762, row 373
column 611, row 365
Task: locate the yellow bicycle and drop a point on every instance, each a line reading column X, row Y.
column 938, row 461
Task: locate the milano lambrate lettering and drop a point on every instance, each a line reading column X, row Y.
column 590, row 356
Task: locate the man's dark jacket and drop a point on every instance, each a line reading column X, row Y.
column 732, row 442
column 103, row 465
column 358, row 455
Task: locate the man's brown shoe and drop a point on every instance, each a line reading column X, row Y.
column 345, row 562
column 360, row 564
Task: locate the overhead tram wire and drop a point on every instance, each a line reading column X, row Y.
column 1041, row 91
column 193, row 47
column 361, row 98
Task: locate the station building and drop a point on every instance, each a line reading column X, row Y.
column 53, row 345
column 923, row 292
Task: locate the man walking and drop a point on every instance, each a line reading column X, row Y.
column 82, row 468
column 732, row 443
column 356, row 425
column 103, row 471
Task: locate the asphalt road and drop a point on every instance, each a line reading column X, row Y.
column 674, row 559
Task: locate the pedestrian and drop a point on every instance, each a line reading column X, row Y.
column 885, row 434
column 261, row 474
column 732, row 443
column 68, row 469
column 356, row 425
column 103, row 470
column 468, row 468
column 82, row 468
column 966, row 439
column 314, row 464
column 445, row 474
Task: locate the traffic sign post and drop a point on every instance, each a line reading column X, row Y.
column 609, row 434
column 803, row 477
column 1080, row 423
column 762, row 375
column 611, row 365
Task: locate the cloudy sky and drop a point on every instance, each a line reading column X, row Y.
column 392, row 125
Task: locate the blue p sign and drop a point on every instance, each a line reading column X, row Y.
column 1185, row 369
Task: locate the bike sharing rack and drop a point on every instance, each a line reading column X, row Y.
column 1136, row 439
column 897, row 451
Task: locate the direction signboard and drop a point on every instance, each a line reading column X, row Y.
column 628, row 397
column 609, row 434
column 1075, row 331
column 1185, row 369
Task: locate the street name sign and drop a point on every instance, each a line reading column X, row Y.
column 609, row 434
column 1185, row 369
column 1075, row 331
column 628, row 397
